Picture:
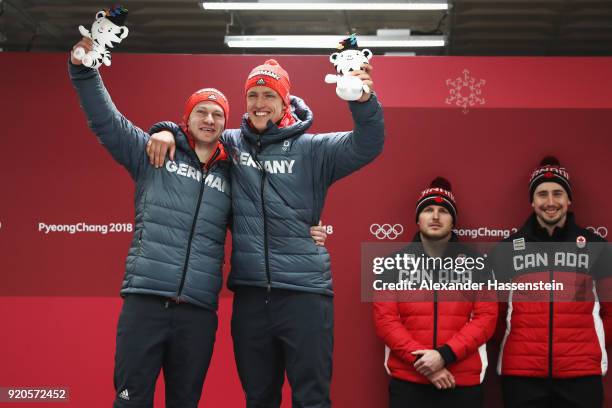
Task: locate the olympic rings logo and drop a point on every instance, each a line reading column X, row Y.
column 601, row 231
column 386, row 231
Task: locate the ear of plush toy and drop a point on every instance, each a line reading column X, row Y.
column 124, row 32
column 367, row 53
column 100, row 14
column 84, row 32
column 334, row 57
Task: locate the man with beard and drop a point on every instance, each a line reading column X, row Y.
column 553, row 352
column 435, row 343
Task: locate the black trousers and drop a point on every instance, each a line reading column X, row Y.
column 406, row 394
column 154, row 333
column 280, row 331
column 526, row 392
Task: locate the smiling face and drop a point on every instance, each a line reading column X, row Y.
column 550, row 204
column 206, row 122
column 435, row 222
column 264, row 104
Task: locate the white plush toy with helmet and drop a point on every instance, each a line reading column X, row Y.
column 349, row 87
column 107, row 30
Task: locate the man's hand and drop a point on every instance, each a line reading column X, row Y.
column 430, row 362
column 86, row 44
column 364, row 75
column 442, row 379
column 158, row 145
column 319, row 234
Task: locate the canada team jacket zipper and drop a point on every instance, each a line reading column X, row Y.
column 435, row 313
column 550, row 332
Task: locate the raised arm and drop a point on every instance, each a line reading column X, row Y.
column 345, row 152
column 124, row 141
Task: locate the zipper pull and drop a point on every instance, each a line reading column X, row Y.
column 268, row 290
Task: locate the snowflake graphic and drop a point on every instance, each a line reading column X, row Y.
column 466, row 91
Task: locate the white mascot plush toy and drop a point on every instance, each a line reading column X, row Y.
column 107, row 30
column 349, row 87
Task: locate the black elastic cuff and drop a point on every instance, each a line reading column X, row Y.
column 373, row 97
column 80, row 71
column 447, row 354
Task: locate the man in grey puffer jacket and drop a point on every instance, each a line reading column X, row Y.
column 283, row 310
column 173, row 268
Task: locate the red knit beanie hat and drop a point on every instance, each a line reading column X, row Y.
column 550, row 169
column 272, row 75
column 209, row 95
column 439, row 193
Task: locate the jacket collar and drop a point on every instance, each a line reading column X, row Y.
column 416, row 240
column 182, row 143
column 274, row 134
column 536, row 232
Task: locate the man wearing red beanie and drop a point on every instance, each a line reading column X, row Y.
column 282, row 318
column 554, row 348
column 174, row 267
column 172, row 281
column 435, row 344
column 268, row 79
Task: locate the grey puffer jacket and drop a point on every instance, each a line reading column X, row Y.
column 280, row 180
column 182, row 209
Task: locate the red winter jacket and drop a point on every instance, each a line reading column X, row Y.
column 463, row 326
column 565, row 337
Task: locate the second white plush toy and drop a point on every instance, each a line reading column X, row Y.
column 350, row 58
column 107, row 30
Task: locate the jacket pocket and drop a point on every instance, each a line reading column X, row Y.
column 323, row 258
column 139, row 248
